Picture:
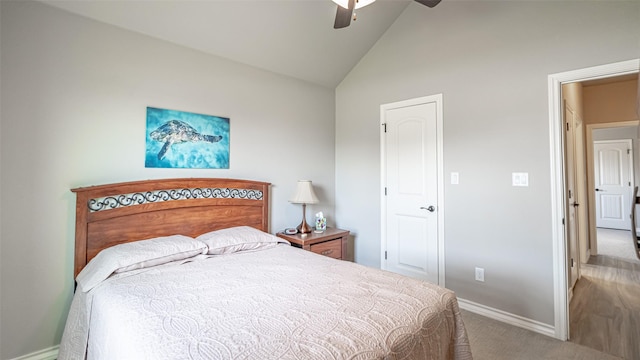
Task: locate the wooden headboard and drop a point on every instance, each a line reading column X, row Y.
column 112, row 214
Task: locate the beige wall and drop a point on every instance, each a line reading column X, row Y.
column 74, row 96
column 613, row 102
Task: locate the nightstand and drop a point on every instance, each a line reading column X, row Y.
column 331, row 242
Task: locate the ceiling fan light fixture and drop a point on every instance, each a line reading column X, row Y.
column 359, row 3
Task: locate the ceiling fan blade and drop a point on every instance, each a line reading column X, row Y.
column 343, row 16
column 429, row 3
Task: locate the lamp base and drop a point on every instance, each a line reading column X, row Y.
column 304, row 228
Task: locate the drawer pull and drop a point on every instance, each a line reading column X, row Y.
column 326, row 252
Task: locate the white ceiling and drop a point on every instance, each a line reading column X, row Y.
column 290, row 37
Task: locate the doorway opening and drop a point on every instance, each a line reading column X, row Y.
column 559, row 209
column 609, row 266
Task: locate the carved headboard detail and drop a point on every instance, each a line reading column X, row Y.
column 112, row 214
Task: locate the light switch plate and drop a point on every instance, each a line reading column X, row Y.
column 455, row 178
column 520, row 179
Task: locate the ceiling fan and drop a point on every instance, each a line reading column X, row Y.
column 346, row 7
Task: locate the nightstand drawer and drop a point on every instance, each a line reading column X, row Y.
column 331, row 242
column 331, row 248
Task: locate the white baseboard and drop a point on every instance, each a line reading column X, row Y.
column 44, row 354
column 508, row 318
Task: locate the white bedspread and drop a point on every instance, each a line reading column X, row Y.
column 281, row 302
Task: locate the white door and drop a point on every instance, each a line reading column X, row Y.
column 581, row 196
column 613, row 181
column 571, row 124
column 411, row 138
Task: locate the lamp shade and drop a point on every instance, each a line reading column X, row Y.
column 304, row 193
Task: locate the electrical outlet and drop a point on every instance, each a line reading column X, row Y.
column 480, row 274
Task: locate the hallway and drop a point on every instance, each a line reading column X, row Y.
column 617, row 244
column 605, row 309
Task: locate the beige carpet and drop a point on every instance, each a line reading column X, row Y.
column 494, row 340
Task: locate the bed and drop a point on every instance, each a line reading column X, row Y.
column 187, row 269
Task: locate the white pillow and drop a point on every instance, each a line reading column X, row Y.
column 239, row 238
column 137, row 255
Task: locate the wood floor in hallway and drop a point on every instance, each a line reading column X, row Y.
column 604, row 312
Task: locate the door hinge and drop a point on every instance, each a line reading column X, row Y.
column 567, row 125
column 385, row 127
column 572, row 263
column 385, row 191
column 385, row 254
column 562, row 221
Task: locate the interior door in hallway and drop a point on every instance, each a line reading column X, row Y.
column 573, row 128
column 613, row 183
column 410, row 208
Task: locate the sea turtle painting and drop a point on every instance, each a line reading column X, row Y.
column 176, row 132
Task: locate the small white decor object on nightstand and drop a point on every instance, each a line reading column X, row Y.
column 321, row 222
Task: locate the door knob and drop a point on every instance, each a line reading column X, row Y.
column 599, row 189
column 430, row 208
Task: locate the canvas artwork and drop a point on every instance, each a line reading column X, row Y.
column 179, row 139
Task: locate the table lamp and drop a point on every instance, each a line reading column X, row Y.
column 304, row 195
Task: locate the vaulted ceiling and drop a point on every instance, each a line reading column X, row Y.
column 289, row 37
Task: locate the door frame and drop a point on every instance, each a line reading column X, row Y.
column 437, row 98
column 591, row 189
column 558, row 208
